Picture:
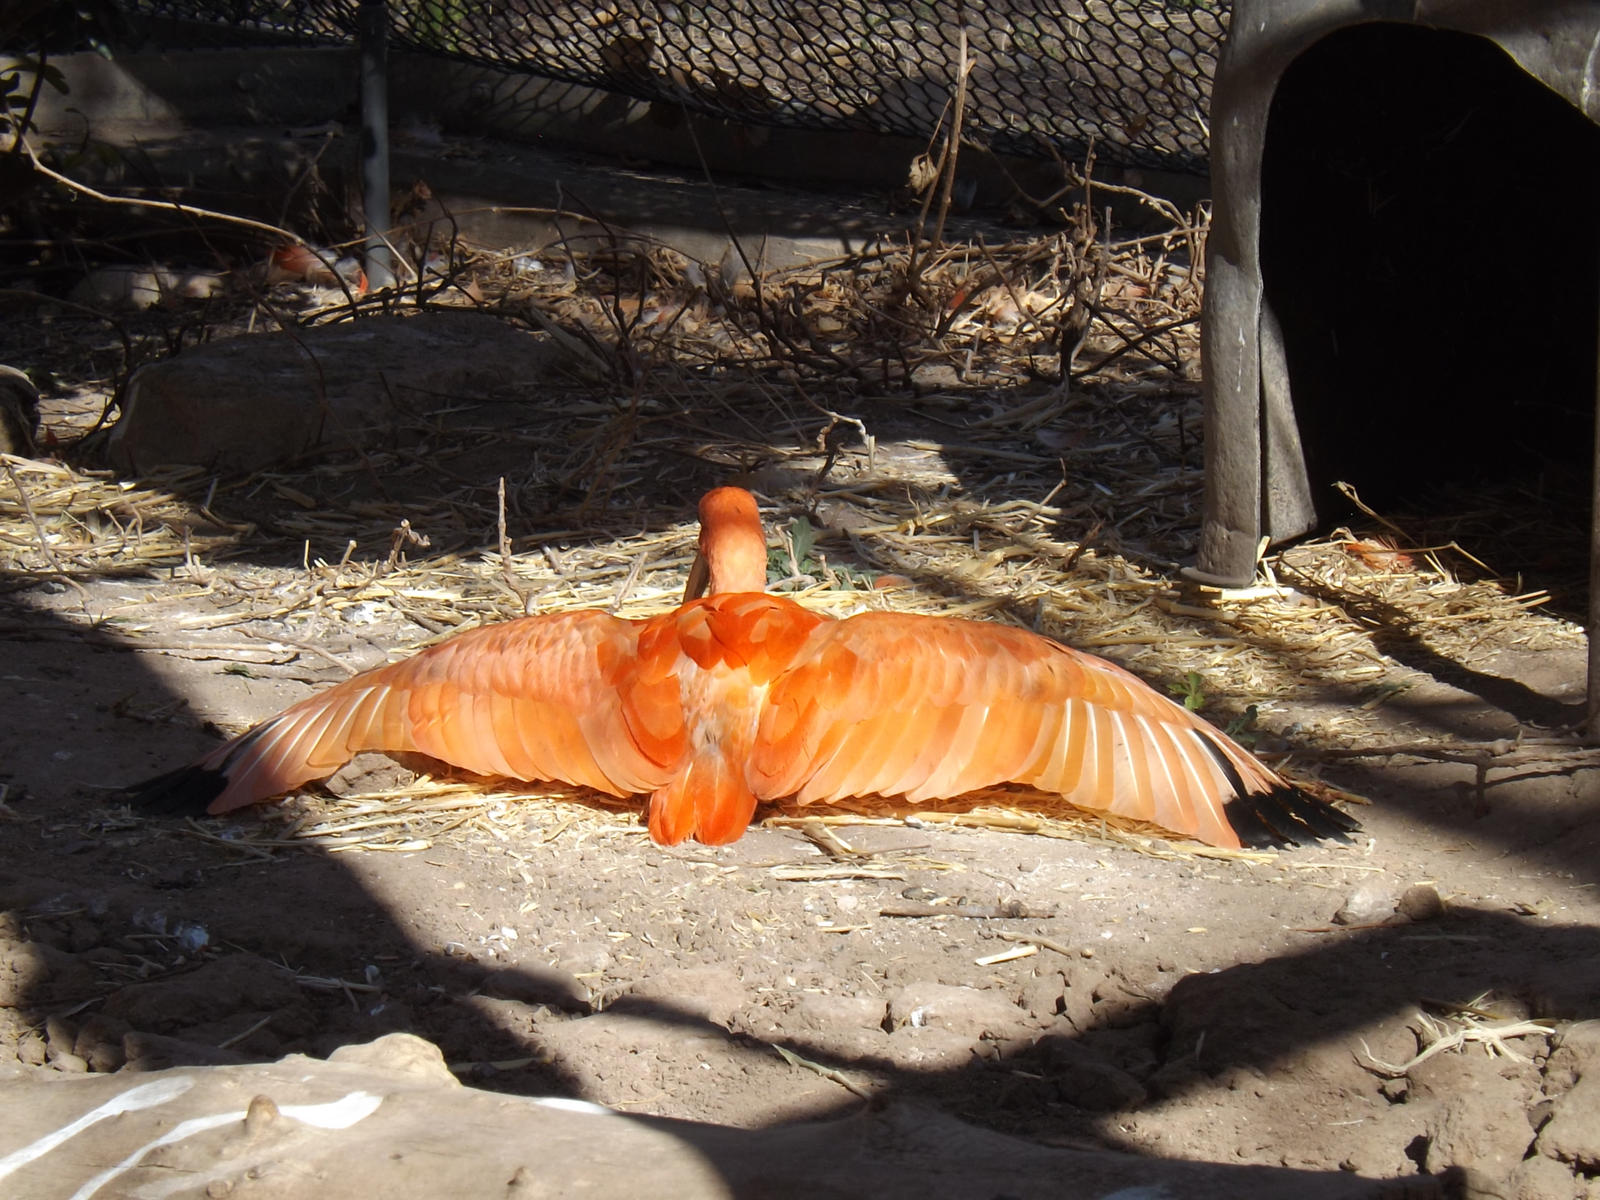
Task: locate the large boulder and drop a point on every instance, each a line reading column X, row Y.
column 388, row 1119
column 259, row 401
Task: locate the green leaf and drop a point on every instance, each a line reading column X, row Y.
column 804, row 537
column 1242, row 728
column 1193, row 690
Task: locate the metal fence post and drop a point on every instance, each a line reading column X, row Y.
column 1593, row 723
column 374, row 40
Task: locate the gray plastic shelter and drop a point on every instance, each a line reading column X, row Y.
column 1403, row 272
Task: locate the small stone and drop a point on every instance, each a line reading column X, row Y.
column 1541, row 1178
column 1572, row 1135
column 260, row 1116
column 1099, row 1087
column 59, row 1036
column 99, row 1043
column 971, row 1012
column 1576, row 1053
column 1420, row 903
column 243, row 404
column 538, row 985
column 68, row 1063
column 823, row 1013
column 1367, row 905
column 403, row 1053
column 931, row 1048
column 30, row 1050
column 714, row 995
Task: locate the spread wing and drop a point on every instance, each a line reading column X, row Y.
column 896, row 704
column 562, row 697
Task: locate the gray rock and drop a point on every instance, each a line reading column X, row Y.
column 387, row 1120
column 971, row 1012
column 19, row 412
column 1420, row 903
column 403, row 1054
column 1099, row 1086
column 1366, row 905
column 1541, row 1178
column 247, row 403
column 219, row 989
column 709, row 994
column 931, row 1048
column 1573, row 1132
column 33, row 973
column 823, row 1013
column 135, row 288
column 1576, row 1052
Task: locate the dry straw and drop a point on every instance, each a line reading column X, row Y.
column 917, row 428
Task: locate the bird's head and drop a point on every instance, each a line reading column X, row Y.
column 733, row 546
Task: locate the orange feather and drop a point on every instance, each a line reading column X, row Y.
column 740, row 697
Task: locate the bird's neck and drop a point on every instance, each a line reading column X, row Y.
column 736, row 560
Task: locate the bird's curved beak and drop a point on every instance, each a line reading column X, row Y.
column 699, row 578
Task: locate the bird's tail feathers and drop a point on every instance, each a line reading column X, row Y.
column 186, row 792
column 251, row 767
column 1279, row 814
column 709, row 799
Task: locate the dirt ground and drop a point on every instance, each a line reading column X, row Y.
column 1417, row 1006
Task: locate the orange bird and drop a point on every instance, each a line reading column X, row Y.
column 739, row 697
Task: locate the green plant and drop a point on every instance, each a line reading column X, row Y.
column 1242, row 728
column 1192, row 687
column 793, row 556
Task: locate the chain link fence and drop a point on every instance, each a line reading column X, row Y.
column 1130, row 79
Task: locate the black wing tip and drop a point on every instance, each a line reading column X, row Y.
column 1287, row 816
column 188, row 791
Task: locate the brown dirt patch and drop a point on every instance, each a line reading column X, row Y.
column 1085, row 987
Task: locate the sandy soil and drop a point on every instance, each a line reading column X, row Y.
column 1417, row 1006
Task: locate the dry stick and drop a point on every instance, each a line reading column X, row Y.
column 122, row 334
column 832, row 1074
column 913, row 265
column 1348, row 491
column 524, row 596
column 1011, row 291
column 1009, row 909
column 26, row 119
column 1166, row 208
column 768, row 323
column 1130, row 344
column 1488, row 754
column 27, row 507
column 963, row 67
column 169, row 205
column 1044, row 943
column 1087, row 279
column 1000, row 275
